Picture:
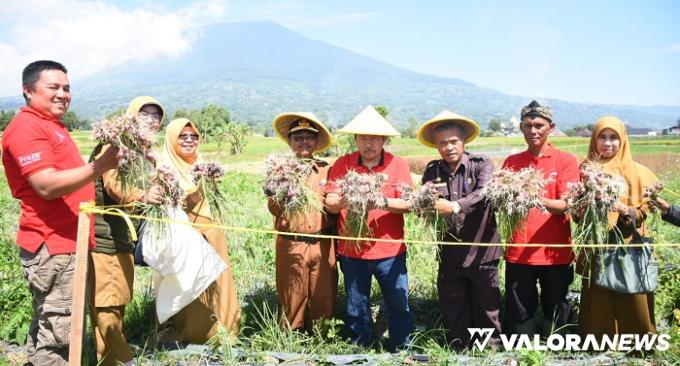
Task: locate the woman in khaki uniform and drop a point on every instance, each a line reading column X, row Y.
column 218, row 305
column 111, row 272
column 604, row 311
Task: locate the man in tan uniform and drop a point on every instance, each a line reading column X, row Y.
column 306, row 274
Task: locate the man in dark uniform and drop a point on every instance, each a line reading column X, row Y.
column 467, row 283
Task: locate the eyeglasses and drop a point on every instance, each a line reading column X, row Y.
column 301, row 138
column 188, row 136
column 154, row 116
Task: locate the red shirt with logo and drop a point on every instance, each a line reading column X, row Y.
column 383, row 224
column 543, row 227
column 31, row 143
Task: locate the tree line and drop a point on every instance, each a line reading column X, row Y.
column 216, row 125
column 214, row 122
column 71, row 120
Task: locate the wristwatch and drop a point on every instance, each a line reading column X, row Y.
column 385, row 202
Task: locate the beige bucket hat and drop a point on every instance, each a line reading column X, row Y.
column 370, row 122
column 426, row 131
column 288, row 122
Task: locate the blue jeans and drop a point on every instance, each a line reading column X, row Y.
column 393, row 280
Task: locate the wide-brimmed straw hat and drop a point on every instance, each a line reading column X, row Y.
column 370, row 122
column 426, row 131
column 288, row 122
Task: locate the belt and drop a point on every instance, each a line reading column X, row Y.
column 303, row 238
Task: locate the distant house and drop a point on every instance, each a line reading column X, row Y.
column 632, row 131
column 512, row 128
column 673, row 130
column 558, row 133
column 584, row 132
column 514, row 122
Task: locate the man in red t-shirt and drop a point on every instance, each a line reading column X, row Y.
column 46, row 173
column 549, row 266
column 386, row 261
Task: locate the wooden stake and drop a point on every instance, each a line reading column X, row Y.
column 79, row 287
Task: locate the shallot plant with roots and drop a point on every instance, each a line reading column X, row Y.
column 286, row 179
column 654, row 220
column 589, row 203
column 134, row 140
column 430, row 226
column 207, row 176
column 361, row 192
column 172, row 197
column 512, row 194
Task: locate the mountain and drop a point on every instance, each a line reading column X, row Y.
column 259, row 69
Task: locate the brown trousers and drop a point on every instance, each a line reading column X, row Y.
column 306, row 282
column 110, row 278
column 109, row 336
column 50, row 280
column 602, row 311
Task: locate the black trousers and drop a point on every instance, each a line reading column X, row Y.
column 522, row 294
column 469, row 298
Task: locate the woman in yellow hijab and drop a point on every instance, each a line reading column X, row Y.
column 603, row 311
column 198, row 321
column 111, row 273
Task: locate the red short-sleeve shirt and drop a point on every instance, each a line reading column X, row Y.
column 544, row 227
column 383, row 224
column 31, row 143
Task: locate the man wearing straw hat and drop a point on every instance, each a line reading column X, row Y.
column 467, row 283
column 549, row 267
column 384, row 260
column 306, row 275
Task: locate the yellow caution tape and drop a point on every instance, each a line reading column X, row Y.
column 105, row 210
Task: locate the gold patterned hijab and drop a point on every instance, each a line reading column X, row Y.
column 170, row 157
column 637, row 176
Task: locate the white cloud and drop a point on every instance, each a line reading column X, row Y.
column 674, row 48
column 89, row 36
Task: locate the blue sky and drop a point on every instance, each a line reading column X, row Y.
column 623, row 52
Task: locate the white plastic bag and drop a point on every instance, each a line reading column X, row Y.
column 185, row 263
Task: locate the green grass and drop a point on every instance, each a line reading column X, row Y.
column 15, row 303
